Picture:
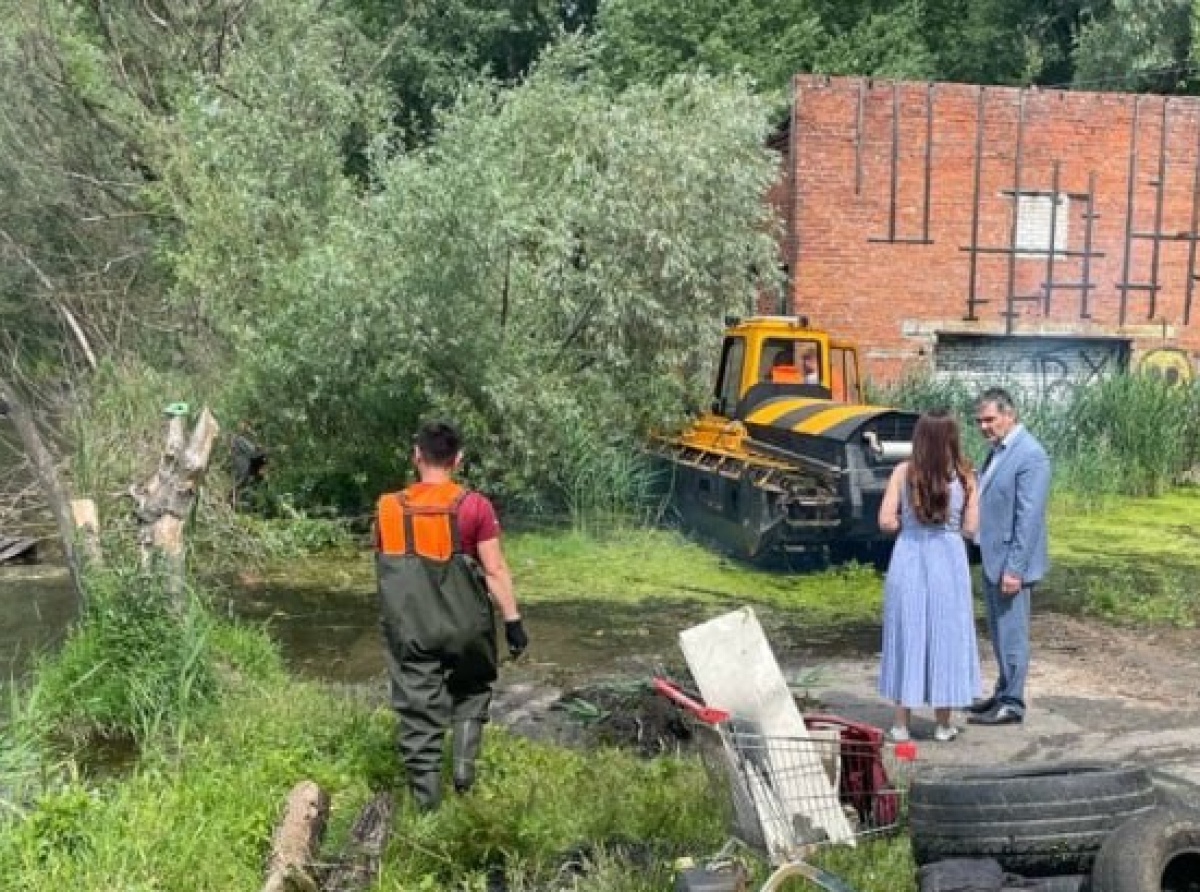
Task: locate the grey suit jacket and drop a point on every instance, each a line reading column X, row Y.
column 1012, row 510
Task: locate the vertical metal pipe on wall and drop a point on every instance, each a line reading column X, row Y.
column 973, row 266
column 1010, row 302
column 1190, row 286
column 1123, row 286
column 1159, row 195
column 1048, row 286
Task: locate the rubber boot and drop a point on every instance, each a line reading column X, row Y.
column 426, row 788
column 466, row 736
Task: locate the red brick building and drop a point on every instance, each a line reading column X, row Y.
column 993, row 232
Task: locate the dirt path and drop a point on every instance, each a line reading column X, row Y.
column 1095, row 692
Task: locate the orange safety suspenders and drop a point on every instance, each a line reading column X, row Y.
column 426, row 526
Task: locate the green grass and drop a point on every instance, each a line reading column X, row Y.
column 198, row 809
column 1129, row 560
column 637, row 565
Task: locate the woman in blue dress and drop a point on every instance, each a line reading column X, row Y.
column 930, row 656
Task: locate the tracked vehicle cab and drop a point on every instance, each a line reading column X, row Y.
column 788, row 459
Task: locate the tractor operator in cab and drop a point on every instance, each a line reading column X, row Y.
column 784, row 369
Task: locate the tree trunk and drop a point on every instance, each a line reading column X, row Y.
column 47, row 476
column 296, row 840
column 359, row 865
column 164, row 502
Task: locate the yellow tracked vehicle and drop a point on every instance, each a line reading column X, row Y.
column 788, row 460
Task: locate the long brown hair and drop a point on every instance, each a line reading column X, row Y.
column 936, row 458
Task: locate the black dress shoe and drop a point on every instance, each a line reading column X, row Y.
column 979, row 707
column 1001, row 715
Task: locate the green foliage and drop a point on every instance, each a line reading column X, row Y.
column 1133, row 433
column 434, row 50
column 608, row 484
column 551, row 267
column 134, row 663
column 526, row 813
column 58, row 824
column 1136, row 45
column 647, row 41
column 1107, row 44
column 886, row 42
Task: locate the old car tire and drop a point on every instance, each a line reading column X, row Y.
column 1175, row 791
column 1036, row 820
column 1075, row 882
column 1155, row 852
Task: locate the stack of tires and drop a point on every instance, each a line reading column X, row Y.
column 1091, row 825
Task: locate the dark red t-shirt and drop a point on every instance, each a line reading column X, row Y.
column 477, row 522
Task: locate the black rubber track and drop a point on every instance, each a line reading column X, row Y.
column 1155, row 852
column 1037, row 820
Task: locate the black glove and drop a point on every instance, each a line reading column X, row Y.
column 514, row 634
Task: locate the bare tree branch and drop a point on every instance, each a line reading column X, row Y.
column 62, row 308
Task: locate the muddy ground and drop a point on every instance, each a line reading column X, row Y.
column 1094, row 691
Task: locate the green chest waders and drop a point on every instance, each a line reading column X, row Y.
column 439, row 629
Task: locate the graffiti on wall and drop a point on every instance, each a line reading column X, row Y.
column 1039, row 368
column 1169, row 362
column 1054, row 374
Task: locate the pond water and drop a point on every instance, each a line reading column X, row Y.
column 327, row 627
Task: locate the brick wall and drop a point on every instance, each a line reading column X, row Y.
column 900, row 203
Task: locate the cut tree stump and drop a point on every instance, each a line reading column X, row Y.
column 87, row 525
column 296, row 840
column 164, row 502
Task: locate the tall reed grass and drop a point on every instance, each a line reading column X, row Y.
column 1126, row 434
column 605, row 485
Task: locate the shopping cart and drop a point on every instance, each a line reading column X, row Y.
column 839, row 783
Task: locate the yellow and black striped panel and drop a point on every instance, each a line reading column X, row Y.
column 816, row 417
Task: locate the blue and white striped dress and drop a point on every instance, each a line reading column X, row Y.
column 930, row 657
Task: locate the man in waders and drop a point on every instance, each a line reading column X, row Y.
column 441, row 574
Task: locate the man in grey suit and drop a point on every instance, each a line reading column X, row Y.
column 1014, row 483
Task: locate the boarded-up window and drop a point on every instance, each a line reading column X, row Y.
column 1036, row 213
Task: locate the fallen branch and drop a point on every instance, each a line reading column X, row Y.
column 46, row 472
column 292, row 866
column 359, row 865
column 296, row 839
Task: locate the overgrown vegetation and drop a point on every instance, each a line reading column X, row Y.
column 333, row 219
column 196, row 808
column 1126, row 434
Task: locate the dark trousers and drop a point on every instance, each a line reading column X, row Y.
column 429, row 692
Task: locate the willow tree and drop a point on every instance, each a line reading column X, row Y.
column 552, row 271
